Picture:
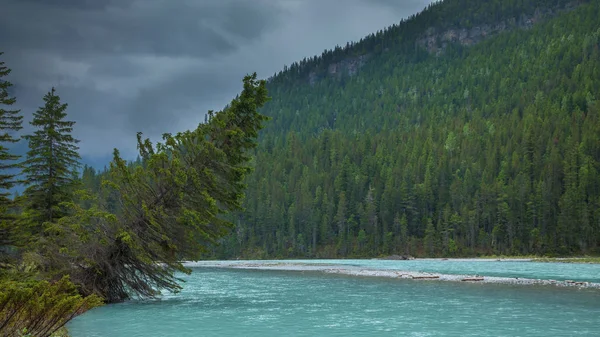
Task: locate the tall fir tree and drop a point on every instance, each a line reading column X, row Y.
column 10, row 122
column 51, row 164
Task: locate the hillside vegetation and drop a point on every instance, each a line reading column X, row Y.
column 393, row 145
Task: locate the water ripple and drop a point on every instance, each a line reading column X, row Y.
column 235, row 302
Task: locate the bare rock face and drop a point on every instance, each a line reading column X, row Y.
column 313, row 78
column 346, row 67
column 436, row 42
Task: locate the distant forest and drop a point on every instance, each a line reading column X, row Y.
column 384, row 146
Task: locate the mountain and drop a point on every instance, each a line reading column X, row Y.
column 470, row 128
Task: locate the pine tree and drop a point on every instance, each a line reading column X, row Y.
column 10, row 120
column 340, row 219
column 51, row 163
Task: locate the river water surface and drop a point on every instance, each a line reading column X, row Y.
column 219, row 301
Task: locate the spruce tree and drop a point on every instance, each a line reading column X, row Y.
column 51, row 163
column 10, row 121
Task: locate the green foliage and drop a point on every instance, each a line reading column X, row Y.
column 487, row 149
column 171, row 206
column 121, row 233
column 51, row 163
column 40, row 308
column 10, row 122
column 30, row 306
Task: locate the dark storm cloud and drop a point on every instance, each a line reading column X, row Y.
column 173, row 28
column 399, row 5
column 184, row 91
column 158, row 65
column 80, row 4
column 106, row 66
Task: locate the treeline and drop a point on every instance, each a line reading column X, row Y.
column 68, row 243
column 492, row 149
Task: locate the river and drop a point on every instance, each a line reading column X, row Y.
column 297, row 299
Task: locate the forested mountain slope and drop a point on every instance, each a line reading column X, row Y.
column 420, row 141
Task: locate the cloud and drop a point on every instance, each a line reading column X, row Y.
column 400, row 6
column 158, row 65
column 157, row 27
column 79, row 4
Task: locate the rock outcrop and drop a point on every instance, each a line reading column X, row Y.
column 346, row 67
column 436, row 41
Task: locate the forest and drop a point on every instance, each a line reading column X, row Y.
column 392, row 146
column 487, row 149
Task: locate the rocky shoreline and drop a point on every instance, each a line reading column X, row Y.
column 413, row 275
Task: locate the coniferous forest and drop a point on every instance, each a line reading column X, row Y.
column 449, row 148
column 452, row 133
column 418, row 140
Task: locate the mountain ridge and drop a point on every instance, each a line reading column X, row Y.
column 349, row 59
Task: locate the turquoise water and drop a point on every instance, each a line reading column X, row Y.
column 236, row 302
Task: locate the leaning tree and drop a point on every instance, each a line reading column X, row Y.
column 170, row 207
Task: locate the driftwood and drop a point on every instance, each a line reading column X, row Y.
column 473, row 279
column 424, row 277
column 397, row 257
column 576, row 282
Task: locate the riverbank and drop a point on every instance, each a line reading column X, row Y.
column 432, row 269
column 588, row 260
column 576, row 259
column 585, row 259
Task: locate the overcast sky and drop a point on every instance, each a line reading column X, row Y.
column 158, row 65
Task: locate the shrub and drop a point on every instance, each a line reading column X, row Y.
column 40, row 308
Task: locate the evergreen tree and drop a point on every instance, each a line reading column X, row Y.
column 51, row 163
column 173, row 206
column 10, row 121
